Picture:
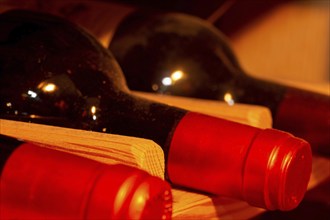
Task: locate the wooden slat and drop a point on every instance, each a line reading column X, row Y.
column 107, row 148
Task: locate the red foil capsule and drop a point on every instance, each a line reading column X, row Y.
column 40, row 183
column 267, row 168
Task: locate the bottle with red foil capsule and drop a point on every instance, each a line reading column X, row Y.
column 66, row 78
column 42, row 183
column 179, row 54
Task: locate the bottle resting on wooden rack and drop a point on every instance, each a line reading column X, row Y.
column 53, row 72
column 179, row 54
column 43, row 183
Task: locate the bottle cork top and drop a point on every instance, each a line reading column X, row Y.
column 277, row 170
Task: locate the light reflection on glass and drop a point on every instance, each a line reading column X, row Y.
column 167, row 81
column 170, row 80
column 93, row 109
column 177, row 75
column 229, row 98
column 49, row 87
column 32, row 94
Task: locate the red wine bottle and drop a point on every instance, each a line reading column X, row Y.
column 42, row 183
column 54, row 72
column 184, row 55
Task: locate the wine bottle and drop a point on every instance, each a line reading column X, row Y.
column 42, row 183
column 183, row 55
column 54, row 72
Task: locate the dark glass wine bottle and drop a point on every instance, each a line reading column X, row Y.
column 54, row 72
column 183, row 55
column 42, row 183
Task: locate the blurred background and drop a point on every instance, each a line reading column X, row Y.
column 282, row 40
column 285, row 41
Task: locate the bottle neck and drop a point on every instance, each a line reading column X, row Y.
column 130, row 115
column 303, row 113
column 256, row 91
column 306, row 114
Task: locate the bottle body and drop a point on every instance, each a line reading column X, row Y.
column 182, row 55
column 38, row 182
column 67, row 78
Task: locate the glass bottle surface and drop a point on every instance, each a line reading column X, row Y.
column 183, row 55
